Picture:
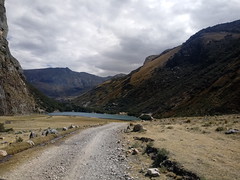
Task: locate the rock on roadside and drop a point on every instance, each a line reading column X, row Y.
column 138, row 127
column 3, row 153
column 153, row 172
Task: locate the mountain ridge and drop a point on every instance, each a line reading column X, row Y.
column 62, row 83
column 186, row 80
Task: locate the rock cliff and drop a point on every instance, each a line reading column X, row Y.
column 15, row 97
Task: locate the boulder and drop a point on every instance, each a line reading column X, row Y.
column 49, row 131
column 30, row 143
column 146, row 117
column 65, row 129
column 153, row 172
column 32, row 135
column 232, row 131
column 53, row 131
column 2, row 138
column 3, row 153
column 71, row 127
column 138, row 127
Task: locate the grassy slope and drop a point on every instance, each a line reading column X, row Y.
column 200, row 77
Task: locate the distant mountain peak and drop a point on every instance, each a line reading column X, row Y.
column 62, row 82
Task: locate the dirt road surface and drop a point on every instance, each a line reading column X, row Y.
column 93, row 154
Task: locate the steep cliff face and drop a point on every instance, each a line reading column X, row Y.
column 15, row 97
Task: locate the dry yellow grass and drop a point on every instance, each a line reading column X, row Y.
column 146, row 70
column 196, row 145
column 37, row 123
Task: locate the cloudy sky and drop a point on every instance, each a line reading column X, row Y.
column 106, row 37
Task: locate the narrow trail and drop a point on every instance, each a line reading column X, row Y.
column 90, row 155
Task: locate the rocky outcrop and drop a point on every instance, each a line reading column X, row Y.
column 15, row 97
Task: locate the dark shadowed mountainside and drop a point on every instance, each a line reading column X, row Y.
column 200, row 77
column 62, row 82
column 15, row 97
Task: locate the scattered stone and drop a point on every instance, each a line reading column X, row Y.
column 30, row 143
column 32, row 135
column 19, row 132
column 138, row 127
column 135, row 151
column 153, row 172
column 3, row 153
column 2, row 138
column 65, row 129
column 171, row 174
column 53, row 131
column 71, row 127
column 4, row 142
column 49, row 131
column 232, row 131
column 129, row 151
column 179, row 170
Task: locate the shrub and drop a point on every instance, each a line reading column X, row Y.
column 162, row 155
column 136, row 145
column 19, row 139
column 2, row 128
column 220, row 129
column 188, row 121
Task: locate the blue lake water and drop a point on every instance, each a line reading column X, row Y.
column 96, row 115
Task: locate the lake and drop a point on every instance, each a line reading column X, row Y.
column 96, row 115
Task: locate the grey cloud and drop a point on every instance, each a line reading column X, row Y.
column 106, row 37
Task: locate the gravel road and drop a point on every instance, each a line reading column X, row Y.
column 93, row 154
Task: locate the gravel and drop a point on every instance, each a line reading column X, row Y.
column 93, row 154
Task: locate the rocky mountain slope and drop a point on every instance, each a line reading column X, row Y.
column 62, row 82
column 15, row 97
column 200, row 77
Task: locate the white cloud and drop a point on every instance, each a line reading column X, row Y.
column 106, row 37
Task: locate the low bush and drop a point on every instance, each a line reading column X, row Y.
column 19, row 139
column 162, row 155
column 2, row 128
column 220, row 129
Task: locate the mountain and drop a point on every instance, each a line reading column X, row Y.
column 15, row 97
column 200, row 77
column 62, row 82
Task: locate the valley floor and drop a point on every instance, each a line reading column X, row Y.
column 198, row 144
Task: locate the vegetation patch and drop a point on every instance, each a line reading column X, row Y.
column 220, row 129
column 2, row 128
